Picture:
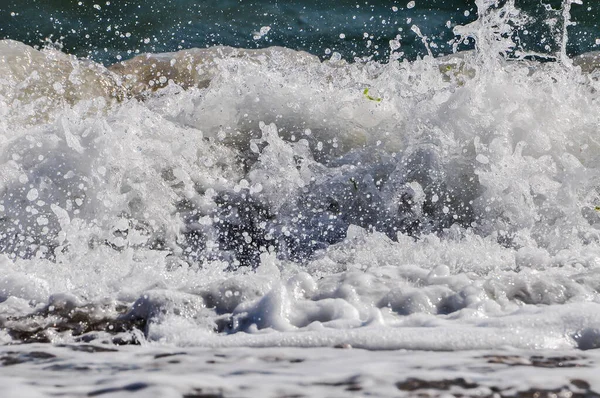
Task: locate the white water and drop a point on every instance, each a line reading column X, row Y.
column 267, row 200
column 279, row 372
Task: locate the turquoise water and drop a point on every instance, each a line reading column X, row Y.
column 107, row 31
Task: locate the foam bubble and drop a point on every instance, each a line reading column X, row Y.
column 254, row 194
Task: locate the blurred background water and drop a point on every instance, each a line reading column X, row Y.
column 107, row 31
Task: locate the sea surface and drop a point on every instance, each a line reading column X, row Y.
column 240, row 199
column 108, row 31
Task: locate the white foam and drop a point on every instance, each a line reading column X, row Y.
column 263, row 198
column 247, row 372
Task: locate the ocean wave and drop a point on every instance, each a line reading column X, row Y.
column 197, row 195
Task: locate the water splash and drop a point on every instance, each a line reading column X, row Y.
column 566, row 14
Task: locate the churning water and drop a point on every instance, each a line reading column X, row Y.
column 221, row 197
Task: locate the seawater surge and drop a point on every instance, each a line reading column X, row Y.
column 224, row 197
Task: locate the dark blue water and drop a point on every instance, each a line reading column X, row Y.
column 110, row 30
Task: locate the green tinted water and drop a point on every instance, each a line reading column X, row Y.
column 111, row 30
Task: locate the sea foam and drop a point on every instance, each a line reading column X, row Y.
column 224, row 197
